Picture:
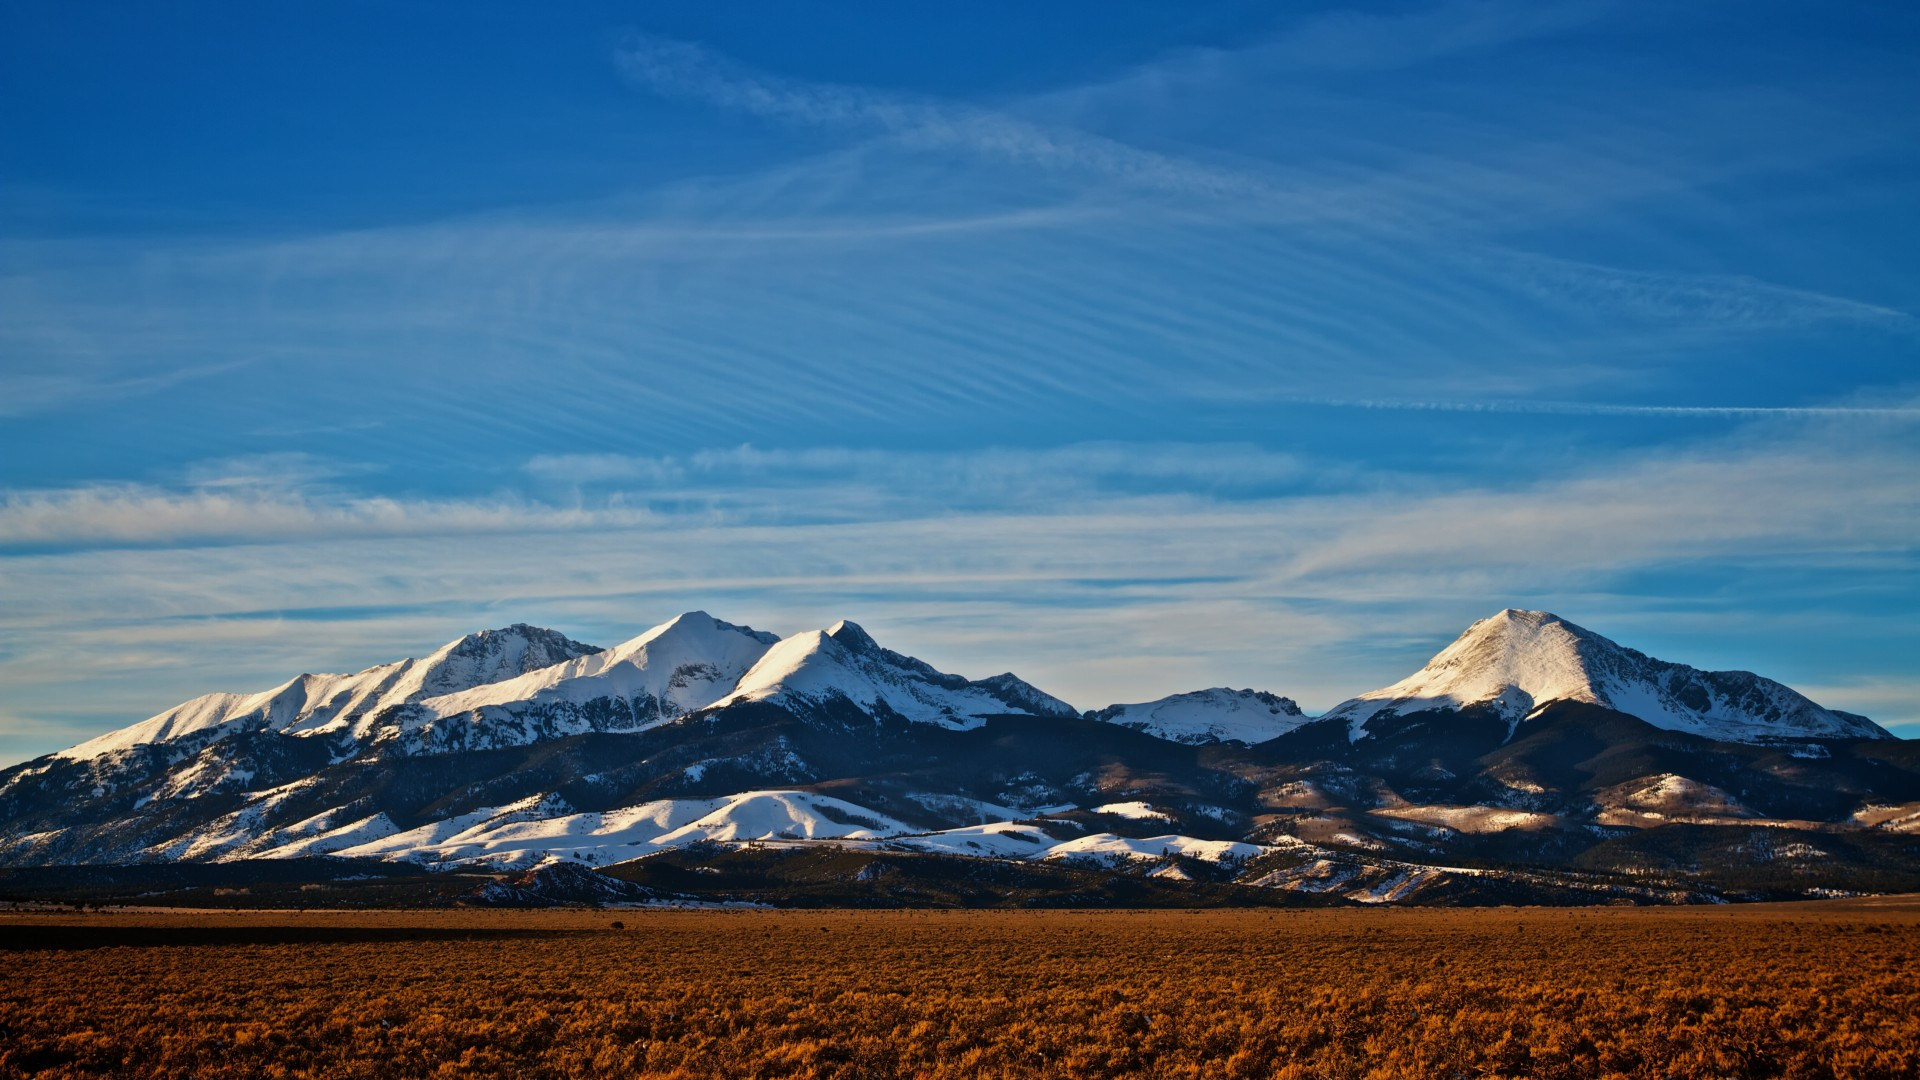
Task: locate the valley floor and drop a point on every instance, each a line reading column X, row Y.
column 1827, row 989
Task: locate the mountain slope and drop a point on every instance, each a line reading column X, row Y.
column 1209, row 716
column 1516, row 661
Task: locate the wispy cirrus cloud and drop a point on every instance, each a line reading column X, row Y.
column 141, row 515
column 286, row 497
column 1762, row 502
column 1695, row 299
column 683, row 69
column 873, row 284
column 1006, row 476
column 24, row 393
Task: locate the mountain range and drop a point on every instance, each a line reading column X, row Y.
column 1531, row 760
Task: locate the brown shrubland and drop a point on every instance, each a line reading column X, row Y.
column 1827, row 991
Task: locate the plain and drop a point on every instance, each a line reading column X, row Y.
column 1826, row 989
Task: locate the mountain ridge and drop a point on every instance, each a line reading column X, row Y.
column 321, row 704
column 1508, row 755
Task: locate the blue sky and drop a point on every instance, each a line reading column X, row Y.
column 1135, row 347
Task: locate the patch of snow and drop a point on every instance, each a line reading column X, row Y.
column 1671, row 797
column 761, row 815
column 524, row 835
column 1903, row 818
column 335, row 840
column 1003, row 840
column 1100, row 846
column 1132, row 811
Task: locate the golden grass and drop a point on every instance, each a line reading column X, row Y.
column 1789, row 990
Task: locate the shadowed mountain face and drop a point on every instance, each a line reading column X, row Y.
column 1512, row 766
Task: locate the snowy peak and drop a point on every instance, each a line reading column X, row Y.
column 680, row 666
column 1538, row 654
column 843, row 663
column 1216, row 715
column 491, row 656
column 328, row 704
column 1516, row 661
column 852, row 636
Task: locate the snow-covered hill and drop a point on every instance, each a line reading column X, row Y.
column 545, row 827
column 534, row 830
column 821, row 668
column 1517, row 661
column 1210, row 716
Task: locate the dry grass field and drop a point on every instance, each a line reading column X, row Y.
column 1817, row 990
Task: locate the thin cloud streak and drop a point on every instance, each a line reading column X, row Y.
column 1005, row 475
column 26, row 393
column 1690, row 298
column 127, row 514
column 1592, row 408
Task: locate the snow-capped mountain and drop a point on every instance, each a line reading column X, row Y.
column 325, row 705
column 511, row 749
column 1517, row 661
column 843, row 664
column 1210, row 716
column 524, row 685
column 681, row 666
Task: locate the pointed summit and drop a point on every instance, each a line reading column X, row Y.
column 1516, row 661
column 844, row 664
column 851, row 635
